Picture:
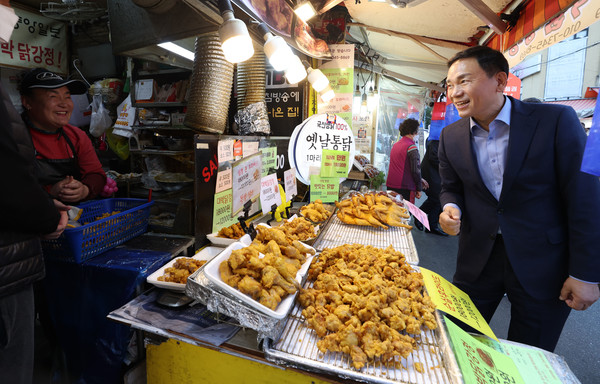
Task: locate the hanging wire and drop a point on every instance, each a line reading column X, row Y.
column 75, row 62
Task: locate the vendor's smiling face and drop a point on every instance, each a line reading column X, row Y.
column 49, row 109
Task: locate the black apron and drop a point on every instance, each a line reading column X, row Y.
column 51, row 171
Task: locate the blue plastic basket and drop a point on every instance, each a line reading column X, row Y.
column 82, row 243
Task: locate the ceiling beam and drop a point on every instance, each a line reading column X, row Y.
column 481, row 10
column 385, row 72
column 328, row 5
column 422, row 39
column 416, row 64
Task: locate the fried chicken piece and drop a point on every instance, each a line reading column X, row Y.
column 269, row 299
column 250, row 287
column 303, row 249
column 271, row 277
column 226, row 274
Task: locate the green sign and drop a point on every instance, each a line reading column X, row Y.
column 269, row 160
column 480, row 363
column 334, row 163
column 222, row 210
column 533, row 365
column 325, row 188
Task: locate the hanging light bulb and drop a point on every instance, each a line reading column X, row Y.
column 235, row 39
column 371, row 99
column 276, row 49
column 357, row 92
column 296, row 71
column 363, row 105
column 305, row 10
column 317, row 79
column 327, row 94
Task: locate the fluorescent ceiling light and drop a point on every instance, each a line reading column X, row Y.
column 177, row 50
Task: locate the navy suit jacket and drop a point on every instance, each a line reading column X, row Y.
column 548, row 211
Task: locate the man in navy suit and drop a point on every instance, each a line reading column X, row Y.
column 528, row 218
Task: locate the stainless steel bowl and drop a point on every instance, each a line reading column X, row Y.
column 171, row 182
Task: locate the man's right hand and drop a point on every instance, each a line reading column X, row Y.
column 62, row 223
column 450, row 220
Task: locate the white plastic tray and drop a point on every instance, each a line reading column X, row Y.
column 205, row 254
column 211, row 270
column 223, row 241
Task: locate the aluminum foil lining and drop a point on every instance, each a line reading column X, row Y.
column 202, row 289
column 253, row 119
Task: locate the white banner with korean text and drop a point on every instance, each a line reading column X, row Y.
column 36, row 41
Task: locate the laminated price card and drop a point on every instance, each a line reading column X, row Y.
column 334, row 163
column 325, row 188
column 455, row 302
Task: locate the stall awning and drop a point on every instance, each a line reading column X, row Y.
column 583, row 107
column 542, row 23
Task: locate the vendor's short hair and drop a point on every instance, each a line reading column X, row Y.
column 409, row 127
column 490, row 60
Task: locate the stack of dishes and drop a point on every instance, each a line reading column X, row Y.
column 210, row 91
column 251, row 79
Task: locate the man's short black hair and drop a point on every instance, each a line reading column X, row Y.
column 409, row 127
column 490, row 60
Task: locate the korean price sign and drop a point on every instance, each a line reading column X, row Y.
column 315, row 134
column 269, row 193
column 246, row 181
column 450, row 299
column 325, row 188
column 480, row 363
column 291, row 188
column 334, row 163
column 222, row 210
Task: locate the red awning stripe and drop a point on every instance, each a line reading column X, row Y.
column 577, row 104
column 533, row 16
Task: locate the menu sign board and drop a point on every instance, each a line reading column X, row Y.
column 315, row 134
column 269, row 193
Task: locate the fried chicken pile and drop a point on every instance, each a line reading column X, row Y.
column 270, row 277
column 181, row 269
column 364, row 302
column 315, row 211
column 376, row 210
column 234, row 231
column 298, row 229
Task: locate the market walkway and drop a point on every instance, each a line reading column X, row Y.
column 580, row 341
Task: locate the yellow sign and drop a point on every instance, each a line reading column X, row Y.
column 455, row 302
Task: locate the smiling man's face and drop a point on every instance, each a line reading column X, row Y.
column 473, row 92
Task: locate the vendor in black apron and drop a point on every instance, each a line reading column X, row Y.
column 67, row 164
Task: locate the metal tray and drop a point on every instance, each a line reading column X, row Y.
column 337, row 233
column 297, row 347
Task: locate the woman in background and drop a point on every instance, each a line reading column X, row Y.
column 404, row 174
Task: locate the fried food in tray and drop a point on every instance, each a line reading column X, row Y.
column 180, row 271
column 366, row 302
column 316, row 211
column 234, row 231
column 298, row 229
column 266, row 269
column 372, row 209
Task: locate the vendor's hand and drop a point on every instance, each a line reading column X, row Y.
column 425, row 184
column 579, row 295
column 450, row 220
column 62, row 223
column 70, row 190
column 418, row 194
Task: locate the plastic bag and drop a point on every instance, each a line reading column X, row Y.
column 100, row 120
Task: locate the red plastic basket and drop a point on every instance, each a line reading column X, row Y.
column 82, row 243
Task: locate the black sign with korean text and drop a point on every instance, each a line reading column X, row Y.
column 284, row 103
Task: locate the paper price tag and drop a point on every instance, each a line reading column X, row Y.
column 418, row 214
column 223, row 180
column 269, row 192
column 291, row 188
column 334, row 163
column 246, row 181
column 249, row 148
column 225, row 150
